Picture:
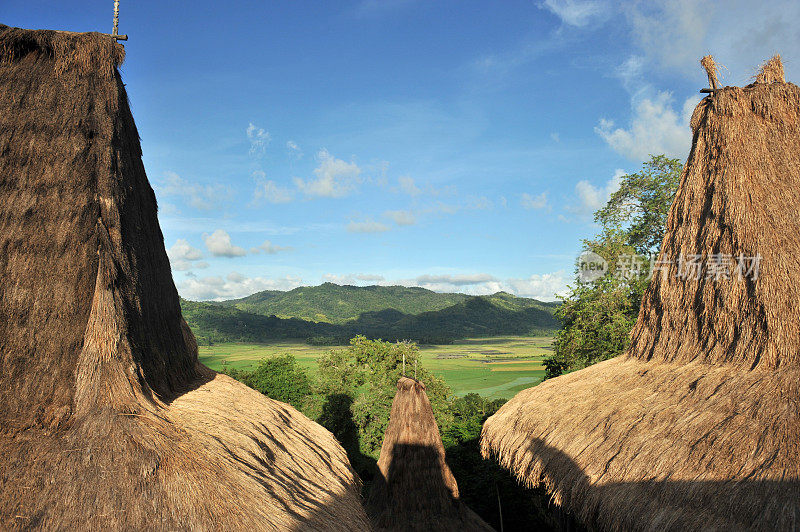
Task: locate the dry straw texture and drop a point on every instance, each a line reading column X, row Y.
column 415, row 489
column 107, row 420
column 698, row 425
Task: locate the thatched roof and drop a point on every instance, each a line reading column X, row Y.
column 698, row 425
column 107, row 420
column 415, row 490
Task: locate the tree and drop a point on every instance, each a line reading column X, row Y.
column 368, row 371
column 597, row 316
column 280, row 378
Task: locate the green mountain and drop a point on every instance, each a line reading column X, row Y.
column 390, row 313
column 333, row 303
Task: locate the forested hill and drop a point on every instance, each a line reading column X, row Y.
column 336, row 313
column 333, row 303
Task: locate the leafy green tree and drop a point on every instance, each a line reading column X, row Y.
column 597, row 316
column 368, row 371
column 280, row 378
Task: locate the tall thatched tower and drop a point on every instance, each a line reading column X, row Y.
column 415, row 489
column 698, row 425
column 107, row 420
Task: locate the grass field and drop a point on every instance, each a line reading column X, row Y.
column 493, row 367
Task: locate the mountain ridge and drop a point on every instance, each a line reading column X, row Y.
column 339, row 304
column 426, row 316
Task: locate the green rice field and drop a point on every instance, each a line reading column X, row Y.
column 492, row 367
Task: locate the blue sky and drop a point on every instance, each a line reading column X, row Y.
column 455, row 145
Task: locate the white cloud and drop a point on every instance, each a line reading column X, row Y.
column 269, row 248
column 233, row 286
column 655, row 128
column 335, row 178
column 268, row 190
column 259, row 138
column 220, row 245
column 576, row 12
column 203, row 197
column 630, row 72
column 592, row 198
column 184, row 257
column 402, row 217
column 366, row 226
column 555, row 137
column 455, row 280
column 352, row 279
column 407, row 186
column 534, row 202
column 675, row 34
column 544, row 287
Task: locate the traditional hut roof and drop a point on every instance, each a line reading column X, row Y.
column 107, row 420
column 698, row 424
column 415, row 490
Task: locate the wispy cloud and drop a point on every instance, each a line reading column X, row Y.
column 366, row 226
column 352, row 279
column 268, row 190
column 577, row 13
column 259, row 138
column 204, row 197
column 219, row 244
column 537, row 202
column 269, row 248
column 408, row 186
column 335, row 178
column 674, row 35
column 294, row 149
column 402, row 217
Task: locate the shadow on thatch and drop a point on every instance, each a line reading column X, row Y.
column 414, row 494
column 669, row 504
column 697, row 425
column 107, row 420
column 414, row 488
column 337, row 417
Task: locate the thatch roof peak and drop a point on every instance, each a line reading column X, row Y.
column 107, row 420
column 89, row 53
column 771, row 71
column 407, row 383
column 414, row 488
column 696, row 426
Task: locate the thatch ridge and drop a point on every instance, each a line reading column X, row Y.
column 107, row 420
column 696, row 426
column 414, row 488
column 94, row 54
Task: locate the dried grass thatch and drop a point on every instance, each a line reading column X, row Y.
column 415, row 489
column 107, row 420
column 698, row 425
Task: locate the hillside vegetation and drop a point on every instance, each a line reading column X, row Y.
column 332, row 303
column 324, row 314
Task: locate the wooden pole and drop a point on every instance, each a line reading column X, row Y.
column 499, row 506
column 115, row 32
